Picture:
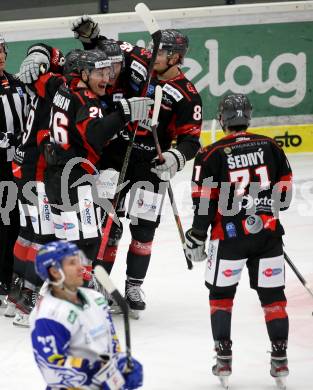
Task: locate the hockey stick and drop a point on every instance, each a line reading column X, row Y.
column 156, row 35
column 104, row 279
column 298, row 274
column 146, row 17
column 158, row 92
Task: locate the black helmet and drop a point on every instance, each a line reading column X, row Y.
column 93, row 59
column 3, row 43
column 234, row 112
column 112, row 50
column 174, row 41
column 71, row 61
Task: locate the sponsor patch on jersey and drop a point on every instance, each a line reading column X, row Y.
column 68, row 225
column 170, row 90
column 139, row 68
column 117, row 97
column 20, row 91
column 231, row 272
column 269, row 272
column 72, row 317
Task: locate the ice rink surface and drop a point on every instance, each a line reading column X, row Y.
column 173, row 336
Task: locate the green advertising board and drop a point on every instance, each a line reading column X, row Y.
column 272, row 63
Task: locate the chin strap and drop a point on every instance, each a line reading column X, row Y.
column 60, row 283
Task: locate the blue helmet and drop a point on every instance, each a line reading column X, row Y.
column 51, row 255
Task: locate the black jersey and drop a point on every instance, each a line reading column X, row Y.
column 29, row 162
column 81, row 125
column 240, row 184
column 180, row 117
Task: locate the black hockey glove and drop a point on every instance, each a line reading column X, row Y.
column 195, row 247
column 135, row 108
column 85, row 29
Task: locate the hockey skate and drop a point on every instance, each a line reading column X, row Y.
column 3, row 295
column 24, row 307
column 279, row 363
column 13, row 297
column 134, row 297
column 223, row 367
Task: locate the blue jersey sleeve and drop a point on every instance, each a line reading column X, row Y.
column 51, row 340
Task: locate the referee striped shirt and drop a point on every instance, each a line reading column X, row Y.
column 13, row 111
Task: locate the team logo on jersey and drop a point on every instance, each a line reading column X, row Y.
column 231, row 272
column 269, row 272
column 227, row 150
column 191, row 88
column 20, row 91
column 173, row 92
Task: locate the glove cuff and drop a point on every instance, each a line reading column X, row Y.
column 41, row 48
column 124, row 108
column 180, row 158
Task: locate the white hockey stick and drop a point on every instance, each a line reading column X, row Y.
column 153, row 27
column 213, row 131
column 146, row 16
column 104, row 279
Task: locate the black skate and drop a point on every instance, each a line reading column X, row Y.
column 4, row 291
column 134, row 297
column 24, row 307
column 279, row 363
column 14, row 296
column 223, row 367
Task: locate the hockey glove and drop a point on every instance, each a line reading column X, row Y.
column 174, row 161
column 195, row 247
column 85, row 29
column 136, row 108
column 133, row 378
column 32, row 66
column 6, row 140
column 109, row 377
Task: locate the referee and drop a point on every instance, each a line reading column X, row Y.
column 13, row 113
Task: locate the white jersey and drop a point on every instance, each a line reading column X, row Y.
column 68, row 339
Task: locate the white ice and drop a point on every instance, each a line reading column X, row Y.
column 173, row 337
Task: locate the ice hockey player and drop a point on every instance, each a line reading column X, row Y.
column 36, row 225
column 239, row 185
column 73, row 337
column 81, row 128
column 179, row 120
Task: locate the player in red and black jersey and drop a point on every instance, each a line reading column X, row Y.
column 240, row 184
column 28, row 165
column 179, row 120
